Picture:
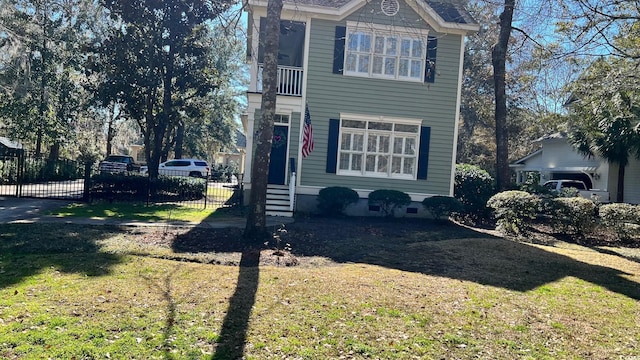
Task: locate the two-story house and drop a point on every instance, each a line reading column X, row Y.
column 381, row 81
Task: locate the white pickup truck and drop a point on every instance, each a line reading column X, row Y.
column 592, row 194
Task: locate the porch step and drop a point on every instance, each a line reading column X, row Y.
column 278, row 201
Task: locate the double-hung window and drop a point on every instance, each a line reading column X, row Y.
column 378, row 147
column 381, row 52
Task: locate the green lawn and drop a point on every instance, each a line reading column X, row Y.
column 135, row 211
column 72, row 292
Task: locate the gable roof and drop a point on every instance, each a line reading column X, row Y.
column 444, row 14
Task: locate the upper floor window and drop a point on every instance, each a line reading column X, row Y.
column 385, row 53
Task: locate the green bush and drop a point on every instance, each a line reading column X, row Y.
column 389, row 200
column 514, row 210
column 223, row 173
column 332, row 201
column 441, row 206
column 473, row 187
column 137, row 187
column 623, row 219
column 572, row 215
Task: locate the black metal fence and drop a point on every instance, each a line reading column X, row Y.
column 32, row 177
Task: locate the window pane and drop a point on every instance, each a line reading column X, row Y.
column 416, row 68
column 351, row 62
column 353, row 41
column 371, row 163
column 397, row 145
column 365, row 46
column 363, row 63
column 344, row 161
column 345, row 144
column 407, row 128
column 377, row 65
column 408, row 167
column 384, row 144
column 403, row 70
column 383, row 162
column 396, row 165
column 410, row 146
column 376, row 125
column 372, row 143
column 417, row 49
column 353, row 124
column 358, row 142
column 379, row 45
column 405, row 47
column 390, row 66
column 392, row 44
column 356, row 162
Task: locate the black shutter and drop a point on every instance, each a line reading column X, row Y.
column 423, row 154
column 338, row 50
column 332, row 145
column 430, row 68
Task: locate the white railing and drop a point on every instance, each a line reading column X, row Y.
column 292, row 190
column 289, row 80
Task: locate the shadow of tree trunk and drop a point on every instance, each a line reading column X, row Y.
column 233, row 335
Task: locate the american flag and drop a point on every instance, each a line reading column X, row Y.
column 307, row 133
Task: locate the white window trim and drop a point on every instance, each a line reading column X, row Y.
column 368, row 118
column 379, row 29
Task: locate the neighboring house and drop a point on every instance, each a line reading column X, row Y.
column 381, row 80
column 10, row 148
column 557, row 159
column 234, row 155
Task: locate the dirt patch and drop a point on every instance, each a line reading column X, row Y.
column 327, row 241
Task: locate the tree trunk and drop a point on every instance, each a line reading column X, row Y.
column 179, row 139
column 111, row 128
column 256, row 227
column 499, row 59
column 620, row 192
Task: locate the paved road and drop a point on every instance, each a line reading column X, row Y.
column 26, row 210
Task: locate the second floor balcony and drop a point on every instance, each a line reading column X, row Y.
column 289, row 80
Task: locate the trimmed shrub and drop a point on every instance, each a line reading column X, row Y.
column 389, row 200
column 514, row 210
column 333, row 201
column 140, row 188
column 572, row 215
column 473, row 187
column 441, row 206
column 623, row 219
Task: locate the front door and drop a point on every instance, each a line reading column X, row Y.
column 278, row 163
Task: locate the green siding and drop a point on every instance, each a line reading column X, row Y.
column 330, row 94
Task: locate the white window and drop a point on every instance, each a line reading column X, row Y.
column 382, row 53
column 378, row 148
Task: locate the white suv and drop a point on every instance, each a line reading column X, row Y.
column 185, row 167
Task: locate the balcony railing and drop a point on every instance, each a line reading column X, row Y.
column 289, row 80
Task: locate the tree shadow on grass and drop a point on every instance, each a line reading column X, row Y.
column 232, row 339
column 26, row 249
column 449, row 250
column 431, row 248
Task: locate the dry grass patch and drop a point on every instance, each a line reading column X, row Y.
column 387, row 290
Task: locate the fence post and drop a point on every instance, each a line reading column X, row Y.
column 86, row 195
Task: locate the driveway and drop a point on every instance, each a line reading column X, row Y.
column 15, row 209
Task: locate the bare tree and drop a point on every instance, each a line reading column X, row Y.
column 256, row 226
